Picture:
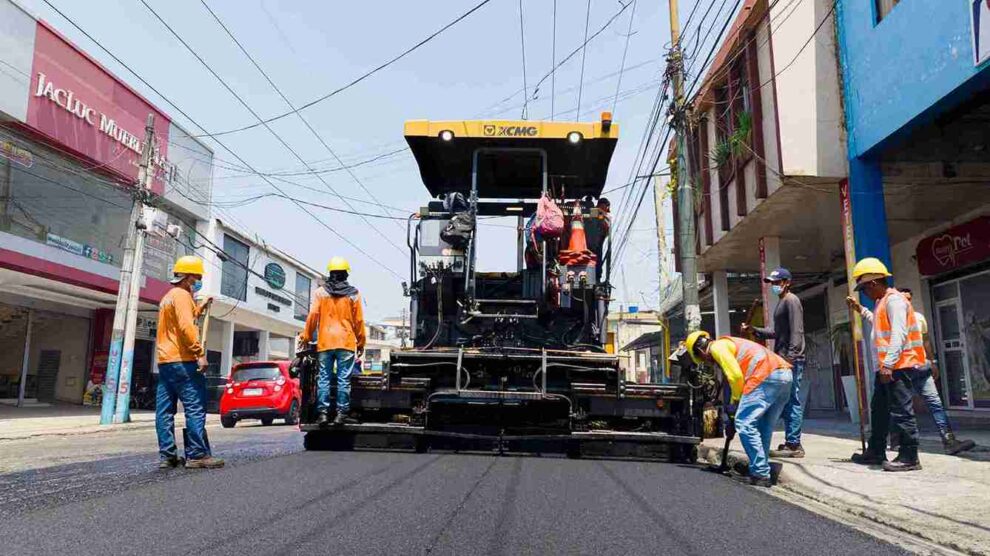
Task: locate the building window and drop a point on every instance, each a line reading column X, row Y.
column 303, row 288
column 233, row 284
column 884, row 7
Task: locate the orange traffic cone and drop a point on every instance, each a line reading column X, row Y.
column 577, row 252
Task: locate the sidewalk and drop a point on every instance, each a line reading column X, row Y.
column 67, row 419
column 945, row 503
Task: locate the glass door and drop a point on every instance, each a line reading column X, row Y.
column 952, row 357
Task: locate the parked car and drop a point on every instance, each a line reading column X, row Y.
column 261, row 390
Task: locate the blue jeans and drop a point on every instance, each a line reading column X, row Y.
column 181, row 381
column 345, row 365
column 924, row 387
column 758, row 412
column 793, row 413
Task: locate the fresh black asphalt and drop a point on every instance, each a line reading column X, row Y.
column 274, row 498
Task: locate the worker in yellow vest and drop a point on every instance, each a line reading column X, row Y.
column 901, row 362
column 758, row 387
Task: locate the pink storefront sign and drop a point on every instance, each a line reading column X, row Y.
column 83, row 108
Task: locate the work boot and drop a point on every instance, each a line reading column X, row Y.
column 775, row 469
column 208, row 462
column 895, row 441
column 340, row 419
column 171, row 462
column 788, row 450
column 869, row 458
column 900, row 463
column 322, row 419
column 765, row 482
column 954, row 446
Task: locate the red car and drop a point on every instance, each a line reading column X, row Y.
column 261, row 390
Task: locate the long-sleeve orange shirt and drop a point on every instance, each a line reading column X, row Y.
column 178, row 335
column 339, row 321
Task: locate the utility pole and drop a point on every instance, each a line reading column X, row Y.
column 116, row 384
column 685, row 188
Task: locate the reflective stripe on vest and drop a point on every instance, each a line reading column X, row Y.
column 756, row 362
column 913, row 350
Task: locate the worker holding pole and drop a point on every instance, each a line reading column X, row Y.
column 902, row 362
column 181, row 362
column 758, row 387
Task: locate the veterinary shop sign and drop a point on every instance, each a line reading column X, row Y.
column 955, row 248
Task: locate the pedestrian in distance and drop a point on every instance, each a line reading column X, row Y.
column 924, row 388
column 787, row 333
column 337, row 318
column 901, row 362
column 181, row 362
column 758, row 387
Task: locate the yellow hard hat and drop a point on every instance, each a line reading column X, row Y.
column 692, row 339
column 337, row 264
column 188, row 265
column 869, row 269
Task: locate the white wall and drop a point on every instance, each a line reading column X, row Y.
column 808, row 95
column 17, row 34
column 769, row 105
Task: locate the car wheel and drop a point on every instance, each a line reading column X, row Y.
column 267, row 421
column 227, row 422
column 293, row 417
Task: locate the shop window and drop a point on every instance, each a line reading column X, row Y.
column 303, row 288
column 52, row 199
column 233, row 283
column 884, row 7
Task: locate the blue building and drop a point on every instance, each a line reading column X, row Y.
column 915, row 76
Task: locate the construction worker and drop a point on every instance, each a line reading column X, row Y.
column 759, row 386
column 926, row 388
column 901, row 362
column 337, row 318
column 181, row 362
column 787, row 333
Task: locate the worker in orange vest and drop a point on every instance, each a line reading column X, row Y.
column 758, row 387
column 181, row 363
column 901, row 361
column 337, row 318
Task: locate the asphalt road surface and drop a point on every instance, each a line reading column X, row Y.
column 275, row 498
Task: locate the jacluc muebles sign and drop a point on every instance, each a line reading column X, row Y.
column 954, row 248
column 77, row 103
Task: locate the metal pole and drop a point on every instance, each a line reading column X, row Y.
column 27, row 359
column 685, row 189
column 122, row 411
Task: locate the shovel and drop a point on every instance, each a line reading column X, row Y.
column 723, row 467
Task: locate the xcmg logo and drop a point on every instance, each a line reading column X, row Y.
column 510, row 131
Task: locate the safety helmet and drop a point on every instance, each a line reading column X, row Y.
column 692, row 342
column 338, row 264
column 869, row 269
column 188, row 265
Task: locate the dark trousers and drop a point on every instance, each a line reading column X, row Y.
column 892, row 404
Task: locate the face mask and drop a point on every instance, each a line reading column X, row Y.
column 777, row 289
column 197, row 285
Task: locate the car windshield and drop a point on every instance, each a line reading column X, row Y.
column 256, row 373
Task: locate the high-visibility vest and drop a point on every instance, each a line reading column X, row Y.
column 756, row 362
column 913, row 351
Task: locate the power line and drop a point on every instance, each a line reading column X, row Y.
column 536, row 89
column 364, row 76
column 584, row 55
column 308, row 126
column 243, row 103
column 625, row 50
column 218, row 141
column 522, row 40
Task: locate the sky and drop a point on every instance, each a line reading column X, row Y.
column 473, row 70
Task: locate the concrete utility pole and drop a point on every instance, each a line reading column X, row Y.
column 685, row 188
column 116, row 385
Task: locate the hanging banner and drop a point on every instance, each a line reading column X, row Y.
column 859, row 365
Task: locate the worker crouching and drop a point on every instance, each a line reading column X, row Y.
column 337, row 318
column 758, row 386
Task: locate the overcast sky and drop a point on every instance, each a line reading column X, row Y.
column 312, row 47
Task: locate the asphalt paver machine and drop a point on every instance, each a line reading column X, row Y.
column 514, row 360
